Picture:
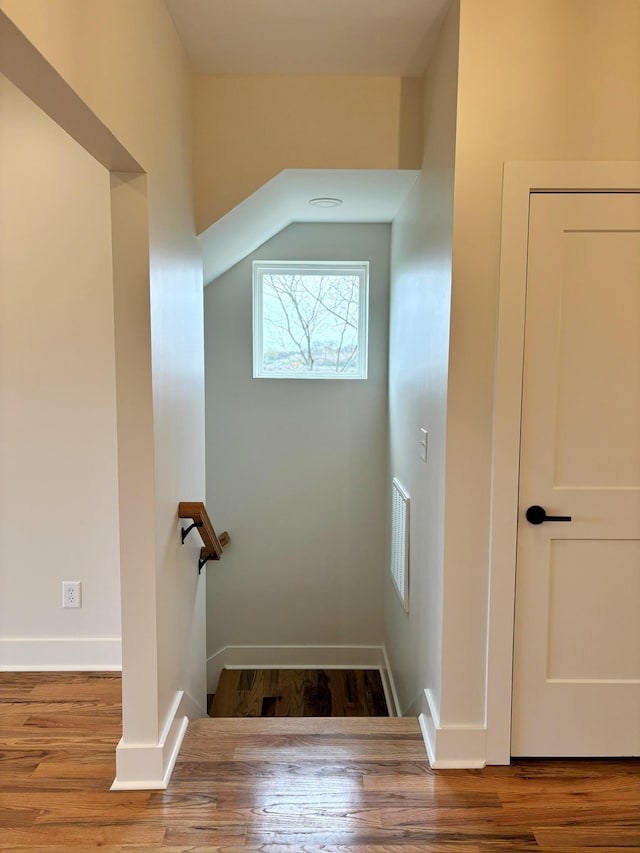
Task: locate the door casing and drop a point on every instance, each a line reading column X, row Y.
column 520, row 179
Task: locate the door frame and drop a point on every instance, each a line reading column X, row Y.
column 520, row 179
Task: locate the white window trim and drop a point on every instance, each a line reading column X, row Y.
column 360, row 268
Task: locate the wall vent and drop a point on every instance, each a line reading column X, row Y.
column 400, row 541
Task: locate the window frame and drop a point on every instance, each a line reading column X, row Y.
column 359, row 268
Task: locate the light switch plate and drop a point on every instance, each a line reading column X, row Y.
column 424, row 444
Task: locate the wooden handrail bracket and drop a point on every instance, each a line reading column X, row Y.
column 213, row 544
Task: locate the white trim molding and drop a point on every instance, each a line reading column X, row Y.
column 455, row 747
column 147, row 767
column 305, row 657
column 61, row 654
column 520, row 179
column 191, row 708
column 391, row 695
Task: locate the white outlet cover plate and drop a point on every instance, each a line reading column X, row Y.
column 71, row 594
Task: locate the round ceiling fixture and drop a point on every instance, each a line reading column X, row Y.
column 325, row 202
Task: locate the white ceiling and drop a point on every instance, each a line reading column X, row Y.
column 343, row 37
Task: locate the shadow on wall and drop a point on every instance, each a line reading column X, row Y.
column 297, row 468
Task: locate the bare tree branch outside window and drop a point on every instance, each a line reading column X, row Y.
column 310, row 322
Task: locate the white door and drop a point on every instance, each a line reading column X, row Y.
column 576, row 687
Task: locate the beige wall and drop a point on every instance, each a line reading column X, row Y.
column 247, row 129
column 58, row 454
column 554, row 79
column 411, row 123
column 125, row 60
column 418, row 352
column 297, row 468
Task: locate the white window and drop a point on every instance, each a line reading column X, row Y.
column 310, row 319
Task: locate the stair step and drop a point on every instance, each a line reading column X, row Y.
column 299, row 693
column 303, row 738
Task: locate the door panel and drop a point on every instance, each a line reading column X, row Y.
column 577, row 637
column 599, row 341
column 597, row 583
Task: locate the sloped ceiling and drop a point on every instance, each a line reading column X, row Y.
column 367, row 196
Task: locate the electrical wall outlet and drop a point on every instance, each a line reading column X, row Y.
column 71, row 594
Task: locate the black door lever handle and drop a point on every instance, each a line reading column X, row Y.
column 538, row 515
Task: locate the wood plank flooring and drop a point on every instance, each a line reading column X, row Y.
column 299, row 693
column 285, row 785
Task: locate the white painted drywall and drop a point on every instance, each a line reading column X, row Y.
column 296, row 469
column 296, row 120
column 58, row 465
column 126, row 62
column 550, row 80
column 558, row 79
column 418, row 368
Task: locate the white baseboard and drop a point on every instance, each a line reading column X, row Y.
column 61, row 654
column 145, row 767
column 304, row 657
column 191, row 708
column 451, row 747
column 389, row 685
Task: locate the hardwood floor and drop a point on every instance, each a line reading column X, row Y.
column 299, row 693
column 285, row 785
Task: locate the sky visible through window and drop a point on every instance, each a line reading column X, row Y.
column 310, row 323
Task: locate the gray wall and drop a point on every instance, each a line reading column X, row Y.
column 297, row 469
